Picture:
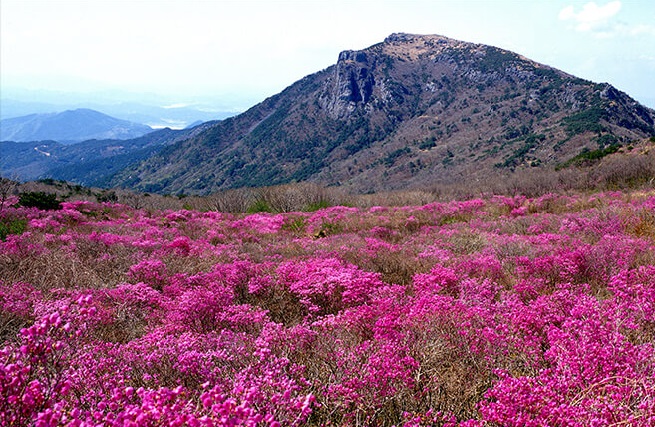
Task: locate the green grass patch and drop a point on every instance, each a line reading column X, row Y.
column 315, row 206
column 11, row 226
column 259, row 206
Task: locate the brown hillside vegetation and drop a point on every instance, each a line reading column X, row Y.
column 410, row 112
column 630, row 168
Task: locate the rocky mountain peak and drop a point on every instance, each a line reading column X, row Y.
column 414, row 46
column 418, row 39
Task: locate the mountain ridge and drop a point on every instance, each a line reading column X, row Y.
column 408, row 112
column 69, row 126
column 88, row 162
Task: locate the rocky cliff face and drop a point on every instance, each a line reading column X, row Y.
column 410, row 111
column 350, row 85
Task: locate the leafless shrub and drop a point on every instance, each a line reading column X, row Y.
column 450, row 378
column 133, row 200
column 625, row 172
column 455, row 377
column 7, row 189
column 148, row 201
column 395, row 267
column 396, row 198
column 231, row 201
column 51, row 270
column 191, row 264
column 643, row 224
column 302, row 196
column 466, row 242
column 93, row 266
column 283, row 306
column 125, row 326
column 10, row 325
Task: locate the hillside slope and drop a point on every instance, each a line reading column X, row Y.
column 90, row 162
column 411, row 111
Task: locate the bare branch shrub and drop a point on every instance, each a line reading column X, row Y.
column 230, row 201
column 304, row 196
column 7, row 189
column 625, row 172
column 397, row 198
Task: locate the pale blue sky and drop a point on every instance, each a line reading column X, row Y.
column 244, row 51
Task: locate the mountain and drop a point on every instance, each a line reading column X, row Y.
column 194, row 124
column 69, row 126
column 152, row 110
column 89, row 162
column 413, row 110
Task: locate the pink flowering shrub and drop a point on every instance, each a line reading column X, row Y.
column 327, row 285
column 151, row 272
column 506, row 311
column 260, row 223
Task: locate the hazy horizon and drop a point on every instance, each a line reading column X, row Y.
column 228, row 56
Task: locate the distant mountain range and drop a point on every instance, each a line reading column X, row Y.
column 156, row 113
column 91, row 162
column 412, row 111
column 69, row 126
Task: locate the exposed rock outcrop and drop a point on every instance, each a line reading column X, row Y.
column 351, row 84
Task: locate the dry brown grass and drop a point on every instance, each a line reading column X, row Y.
column 642, row 225
column 59, row 270
column 11, row 324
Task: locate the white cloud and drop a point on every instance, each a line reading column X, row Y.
column 177, row 105
column 642, row 29
column 592, row 17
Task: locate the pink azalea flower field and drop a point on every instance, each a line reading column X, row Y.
column 489, row 312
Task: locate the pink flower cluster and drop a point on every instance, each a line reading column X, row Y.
column 499, row 311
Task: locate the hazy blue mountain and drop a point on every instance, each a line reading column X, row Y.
column 88, row 162
column 69, row 126
column 152, row 112
column 194, row 124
